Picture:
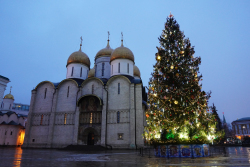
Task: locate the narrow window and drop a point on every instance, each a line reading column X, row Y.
column 102, row 69
column 72, row 72
column 10, row 106
column 11, row 133
column 118, row 117
column 33, row 140
column 118, row 88
column 45, row 92
column 81, row 72
column 128, row 68
column 87, row 73
column 41, row 122
column 93, row 87
column 91, row 118
column 68, row 92
column 112, row 69
column 119, row 68
column 5, row 132
column 65, row 119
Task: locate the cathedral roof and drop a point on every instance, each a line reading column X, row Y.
column 105, row 52
column 91, row 73
column 78, row 81
column 137, row 71
column 79, row 57
column 4, row 77
column 10, row 123
column 243, row 119
column 122, row 53
column 9, row 96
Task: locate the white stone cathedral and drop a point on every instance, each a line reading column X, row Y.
column 102, row 106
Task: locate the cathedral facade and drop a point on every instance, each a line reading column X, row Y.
column 103, row 106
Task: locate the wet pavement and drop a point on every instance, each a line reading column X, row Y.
column 237, row 156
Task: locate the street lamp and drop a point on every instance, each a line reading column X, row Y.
column 243, row 127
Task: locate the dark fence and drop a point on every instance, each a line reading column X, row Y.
column 217, row 151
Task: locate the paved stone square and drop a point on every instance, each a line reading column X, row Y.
column 238, row 156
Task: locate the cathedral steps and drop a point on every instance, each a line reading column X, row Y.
column 85, row 148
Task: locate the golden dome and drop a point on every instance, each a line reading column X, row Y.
column 9, row 96
column 137, row 71
column 91, row 73
column 79, row 57
column 122, row 53
column 105, row 52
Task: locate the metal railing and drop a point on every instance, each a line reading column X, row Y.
column 214, row 151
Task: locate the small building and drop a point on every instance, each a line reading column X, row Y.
column 12, row 124
column 241, row 127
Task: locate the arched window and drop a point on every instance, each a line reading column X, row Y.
column 93, row 88
column 41, row 122
column 128, row 68
column 72, row 72
column 112, row 69
column 45, row 92
column 65, row 119
column 118, row 88
column 2, row 105
column 81, row 72
column 11, row 133
column 5, row 132
column 102, row 69
column 119, row 67
column 10, row 106
column 118, row 116
column 68, row 92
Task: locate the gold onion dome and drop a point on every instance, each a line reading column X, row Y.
column 122, row 53
column 105, row 52
column 9, row 96
column 79, row 57
column 137, row 71
column 91, row 73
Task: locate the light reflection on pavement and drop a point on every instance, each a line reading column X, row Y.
column 238, row 156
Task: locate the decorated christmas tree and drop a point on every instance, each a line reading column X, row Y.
column 178, row 111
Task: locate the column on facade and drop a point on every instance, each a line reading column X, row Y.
column 29, row 121
column 139, row 115
column 103, row 118
column 52, row 119
column 132, row 115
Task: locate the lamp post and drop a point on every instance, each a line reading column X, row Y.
column 243, row 127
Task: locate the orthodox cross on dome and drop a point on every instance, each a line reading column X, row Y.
column 108, row 35
column 170, row 15
column 122, row 38
column 108, row 40
column 81, row 41
column 10, row 89
column 80, row 44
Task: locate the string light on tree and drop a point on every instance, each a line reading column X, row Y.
column 176, row 100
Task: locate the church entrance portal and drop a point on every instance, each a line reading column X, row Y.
column 91, row 139
column 90, row 116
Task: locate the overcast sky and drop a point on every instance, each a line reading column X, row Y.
column 37, row 37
